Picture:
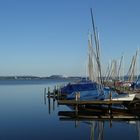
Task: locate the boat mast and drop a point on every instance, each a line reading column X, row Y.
column 97, row 51
column 90, row 59
column 119, row 69
column 131, row 71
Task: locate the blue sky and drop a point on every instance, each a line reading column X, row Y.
column 46, row 37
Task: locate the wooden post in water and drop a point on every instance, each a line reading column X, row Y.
column 44, row 90
column 49, row 92
column 54, row 92
column 54, row 95
column 76, row 107
column 77, row 97
column 58, row 94
column 58, row 90
column 109, row 106
column 45, row 96
column 110, row 95
column 53, row 104
column 49, row 102
column 110, row 115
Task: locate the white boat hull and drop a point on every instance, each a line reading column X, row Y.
column 128, row 97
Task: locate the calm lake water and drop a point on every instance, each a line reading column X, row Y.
column 24, row 115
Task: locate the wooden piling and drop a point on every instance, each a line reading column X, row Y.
column 77, row 96
column 45, row 96
column 54, row 94
column 59, row 94
column 49, row 92
column 45, row 91
column 53, row 104
column 110, row 95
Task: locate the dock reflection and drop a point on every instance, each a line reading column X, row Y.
column 96, row 116
column 50, row 103
column 100, row 113
column 138, row 129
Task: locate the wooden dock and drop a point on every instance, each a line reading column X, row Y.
column 90, row 102
column 98, row 114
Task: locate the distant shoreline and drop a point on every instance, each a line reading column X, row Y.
column 37, row 78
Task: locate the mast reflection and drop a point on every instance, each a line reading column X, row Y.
column 96, row 116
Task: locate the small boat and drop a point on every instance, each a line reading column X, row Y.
column 94, row 94
column 84, row 95
column 93, row 89
column 88, row 89
column 119, row 97
column 79, row 87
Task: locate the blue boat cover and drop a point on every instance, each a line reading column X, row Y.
column 75, row 87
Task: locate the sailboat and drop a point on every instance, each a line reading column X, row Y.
column 106, row 93
column 91, row 88
column 87, row 88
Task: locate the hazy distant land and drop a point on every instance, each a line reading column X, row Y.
column 37, row 77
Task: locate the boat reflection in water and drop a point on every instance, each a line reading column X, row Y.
column 99, row 118
column 96, row 117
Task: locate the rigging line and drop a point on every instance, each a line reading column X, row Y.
column 120, row 65
column 96, row 44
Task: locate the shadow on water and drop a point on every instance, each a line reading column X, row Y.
column 51, row 102
column 96, row 117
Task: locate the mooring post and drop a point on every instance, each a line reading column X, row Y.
column 109, row 106
column 44, row 91
column 48, row 92
column 59, row 93
column 54, row 92
column 54, row 95
column 110, row 95
column 53, row 104
column 45, row 96
column 77, row 96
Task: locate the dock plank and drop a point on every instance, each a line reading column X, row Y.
column 90, row 102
